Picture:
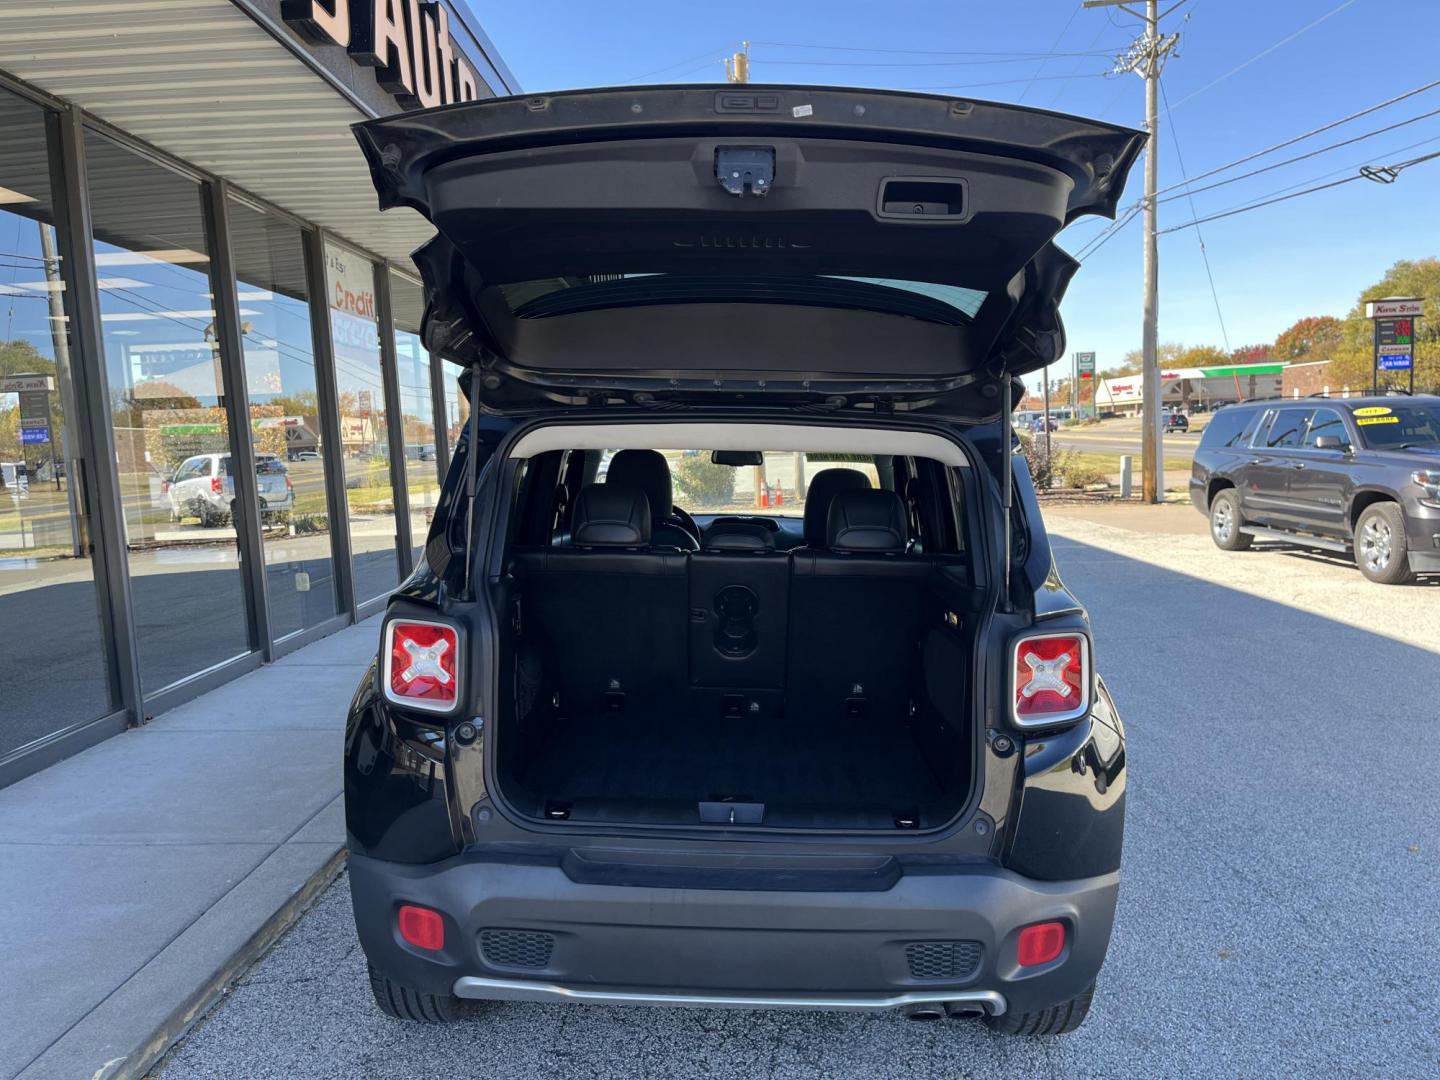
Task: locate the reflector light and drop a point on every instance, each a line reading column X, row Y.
column 1052, row 678
column 1040, row 943
column 421, row 927
column 422, row 665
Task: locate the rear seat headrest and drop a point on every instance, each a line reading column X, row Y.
column 822, row 489
column 867, row 521
column 739, row 536
column 607, row 515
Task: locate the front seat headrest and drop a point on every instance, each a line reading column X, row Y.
column 607, row 515
column 871, row 522
column 650, row 472
column 823, row 487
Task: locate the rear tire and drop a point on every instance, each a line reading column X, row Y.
column 1057, row 1020
column 1380, row 548
column 1225, row 522
column 403, row 1003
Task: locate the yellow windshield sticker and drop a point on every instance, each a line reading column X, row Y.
column 1373, row 410
column 1378, row 420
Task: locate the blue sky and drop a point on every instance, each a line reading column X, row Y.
column 1309, row 256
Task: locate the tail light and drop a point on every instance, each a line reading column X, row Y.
column 288, row 485
column 1052, row 679
column 422, row 665
column 165, row 487
column 1039, row 943
column 217, row 485
column 421, row 927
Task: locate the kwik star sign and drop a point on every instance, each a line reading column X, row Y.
column 407, row 42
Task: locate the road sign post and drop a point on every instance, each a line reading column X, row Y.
column 1394, row 321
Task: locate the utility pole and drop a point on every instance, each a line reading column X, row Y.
column 1146, row 56
column 737, row 67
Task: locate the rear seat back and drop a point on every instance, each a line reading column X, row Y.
column 857, row 612
column 608, row 611
column 739, row 609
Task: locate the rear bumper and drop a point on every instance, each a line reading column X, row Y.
column 529, row 932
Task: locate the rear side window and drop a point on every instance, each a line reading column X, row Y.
column 1228, row 427
column 1326, row 422
column 1287, row 429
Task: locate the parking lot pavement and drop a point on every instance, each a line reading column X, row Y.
column 1276, row 913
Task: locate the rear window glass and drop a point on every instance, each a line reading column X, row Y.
column 1227, row 428
column 564, row 295
column 776, row 489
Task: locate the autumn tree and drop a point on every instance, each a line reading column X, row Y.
column 1355, row 355
column 1252, row 354
column 1201, row 356
column 1314, row 337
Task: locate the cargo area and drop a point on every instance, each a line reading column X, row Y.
column 788, row 672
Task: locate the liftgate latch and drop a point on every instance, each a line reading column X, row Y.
column 741, row 167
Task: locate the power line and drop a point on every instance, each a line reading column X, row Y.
column 1262, row 54
column 1002, row 82
column 1306, row 135
column 916, row 63
column 1384, row 173
column 1058, row 38
column 689, row 65
column 904, row 52
column 1303, row 157
column 1204, row 255
column 1105, row 235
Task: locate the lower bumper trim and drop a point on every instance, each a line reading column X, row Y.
column 475, row 987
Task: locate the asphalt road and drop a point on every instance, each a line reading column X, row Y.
column 1277, row 916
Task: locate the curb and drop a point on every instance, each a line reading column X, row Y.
column 178, row 1024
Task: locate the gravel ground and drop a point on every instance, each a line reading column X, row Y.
column 1281, row 876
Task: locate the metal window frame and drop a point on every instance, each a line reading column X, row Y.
column 109, row 559
column 230, row 336
column 328, row 406
column 96, row 481
column 394, row 418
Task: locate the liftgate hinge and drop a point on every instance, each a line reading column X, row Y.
column 740, row 167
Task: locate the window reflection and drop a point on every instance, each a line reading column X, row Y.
column 457, row 409
column 417, row 408
column 284, row 419
column 47, row 587
column 369, row 496
column 172, row 438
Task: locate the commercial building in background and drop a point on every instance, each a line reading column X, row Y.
column 221, row 437
column 1184, row 388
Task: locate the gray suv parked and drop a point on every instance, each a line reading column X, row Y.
column 1359, row 475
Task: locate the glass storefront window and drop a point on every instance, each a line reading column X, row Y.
column 417, row 408
column 284, row 418
column 172, row 439
column 457, row 409
column 364, row 413
column 53, row 667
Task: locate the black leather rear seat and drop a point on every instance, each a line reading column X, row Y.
column 626, row 628
column 739, row 608
column 857, row 612
column 608, row 610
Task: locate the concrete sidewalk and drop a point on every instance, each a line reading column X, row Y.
column 137, row 878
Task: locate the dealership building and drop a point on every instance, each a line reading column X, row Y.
column 221, row 435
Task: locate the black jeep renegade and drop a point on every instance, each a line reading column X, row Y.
column 737, row 671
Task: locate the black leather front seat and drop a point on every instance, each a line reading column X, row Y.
column 823, row 488
column 648, row 471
